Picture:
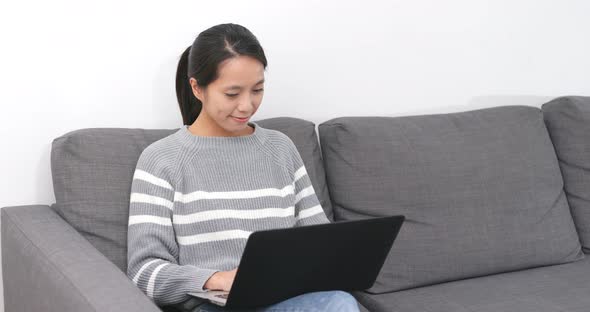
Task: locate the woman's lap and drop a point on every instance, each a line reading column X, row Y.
column 314, row 301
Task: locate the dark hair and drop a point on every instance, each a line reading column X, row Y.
column 201, row 61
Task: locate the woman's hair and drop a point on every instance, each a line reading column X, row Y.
column 201, row 61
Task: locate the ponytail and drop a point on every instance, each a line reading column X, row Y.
column 190, row 106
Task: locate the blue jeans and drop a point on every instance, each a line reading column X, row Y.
column 328, row 301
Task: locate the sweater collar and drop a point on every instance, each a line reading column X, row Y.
column 242, row 141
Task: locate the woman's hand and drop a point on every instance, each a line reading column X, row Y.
column 221, row 280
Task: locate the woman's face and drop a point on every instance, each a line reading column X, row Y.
column 237, row 92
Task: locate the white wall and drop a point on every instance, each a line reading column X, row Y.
column 69, row 65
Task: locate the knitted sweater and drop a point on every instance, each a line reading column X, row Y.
column 196, row 199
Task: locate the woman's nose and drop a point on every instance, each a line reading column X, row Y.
column 246, row 105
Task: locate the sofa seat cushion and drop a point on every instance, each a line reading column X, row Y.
column 481, row 191
column 563, row 287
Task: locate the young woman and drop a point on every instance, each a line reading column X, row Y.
column 199, row 193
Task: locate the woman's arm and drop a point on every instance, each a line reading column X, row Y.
column 152, row 250
column 308, row 209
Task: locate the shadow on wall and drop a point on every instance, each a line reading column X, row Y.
column 44, row 182
column 486, row 101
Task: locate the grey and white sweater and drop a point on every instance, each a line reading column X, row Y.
column 196, row 199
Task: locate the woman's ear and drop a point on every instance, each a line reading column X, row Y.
column 197, row 90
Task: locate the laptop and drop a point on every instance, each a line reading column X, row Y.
column 279, row 264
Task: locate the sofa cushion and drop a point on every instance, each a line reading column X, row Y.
column 568, row 122
column 563, row 288
column 92, row 170
column 481, row 191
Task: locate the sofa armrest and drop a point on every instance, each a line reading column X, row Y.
column 48, row 266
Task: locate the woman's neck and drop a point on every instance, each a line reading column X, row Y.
column 205, row 127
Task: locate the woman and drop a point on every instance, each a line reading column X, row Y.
column 199, row 193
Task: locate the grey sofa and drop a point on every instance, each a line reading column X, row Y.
column 497, row 206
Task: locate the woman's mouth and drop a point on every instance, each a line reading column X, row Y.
column 242, row 120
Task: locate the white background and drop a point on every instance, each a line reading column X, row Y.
column 80, row 64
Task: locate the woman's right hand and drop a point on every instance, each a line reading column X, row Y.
column 221, row 280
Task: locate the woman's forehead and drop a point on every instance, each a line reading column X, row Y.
column 240, row 71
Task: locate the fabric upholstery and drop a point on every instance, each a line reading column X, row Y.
column 481, row 191
column 568, row 122
column 562, row 288
column 48, row 266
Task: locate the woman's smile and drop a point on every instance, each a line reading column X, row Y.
column 241, row 120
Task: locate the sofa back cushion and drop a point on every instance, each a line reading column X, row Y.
column 481, row 191
column 92, row 170
column 568, row 122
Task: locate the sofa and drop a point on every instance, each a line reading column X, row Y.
column 496, row 200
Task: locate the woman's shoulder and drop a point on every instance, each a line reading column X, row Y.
column 276, row 137
column 281, row 147
column 162, row 152
column 279, row 141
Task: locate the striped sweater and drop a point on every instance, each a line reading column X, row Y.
column 195, row 200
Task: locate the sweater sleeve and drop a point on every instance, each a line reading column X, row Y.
column 152, row 250
column 308, row 209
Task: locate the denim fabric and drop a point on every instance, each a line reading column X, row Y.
column 337, row 301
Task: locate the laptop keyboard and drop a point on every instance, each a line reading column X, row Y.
column 223, row 296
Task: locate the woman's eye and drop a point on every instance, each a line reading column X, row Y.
column 234, row 95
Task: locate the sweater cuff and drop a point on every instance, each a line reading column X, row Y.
column 201, row 276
